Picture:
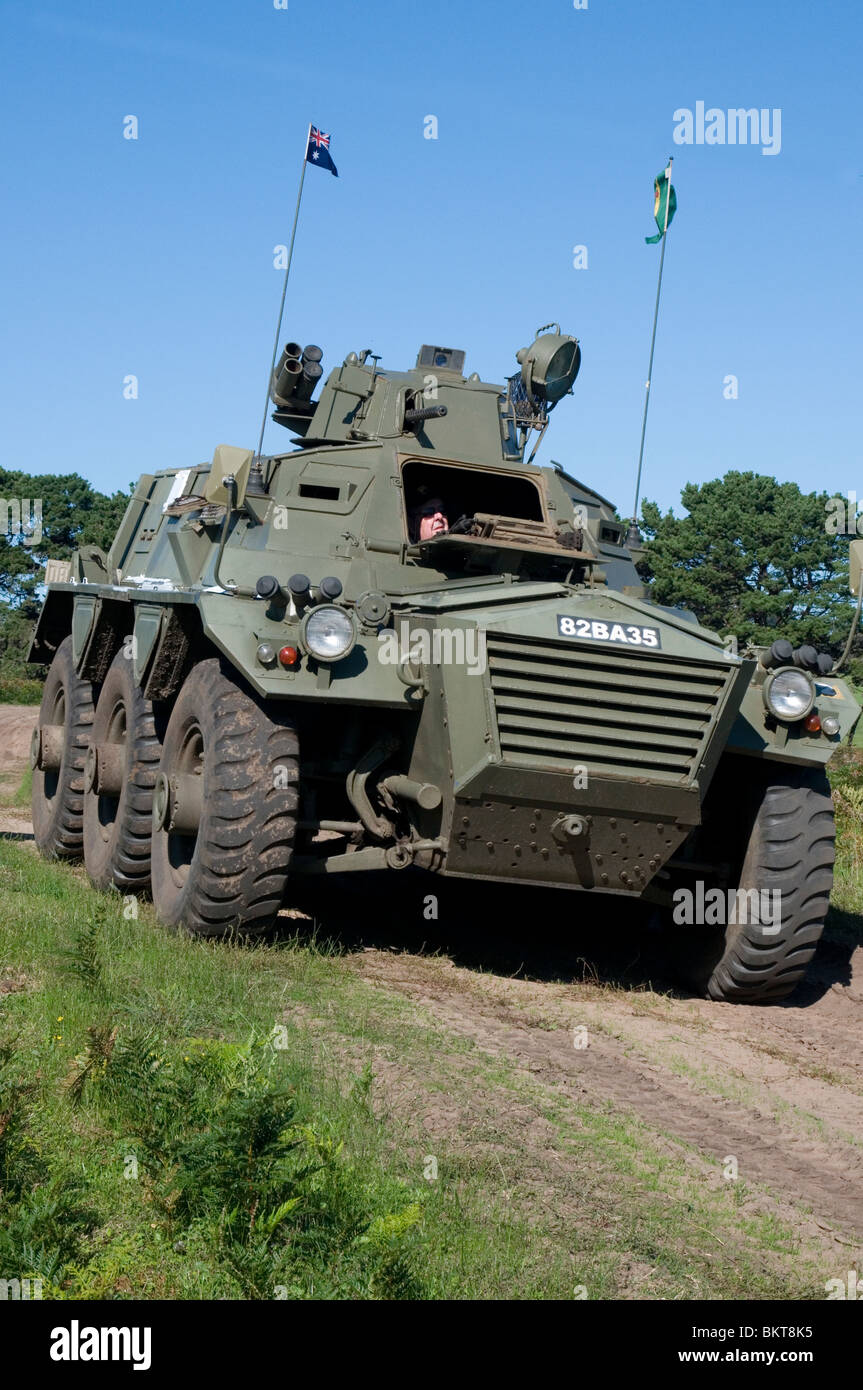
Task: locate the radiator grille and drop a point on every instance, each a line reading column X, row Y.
column 622, row 712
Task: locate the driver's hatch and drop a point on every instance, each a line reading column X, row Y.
column 469, row 517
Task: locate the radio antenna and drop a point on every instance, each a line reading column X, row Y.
column 284, row 292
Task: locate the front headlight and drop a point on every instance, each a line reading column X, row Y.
column 328, row 633
column 789, row 694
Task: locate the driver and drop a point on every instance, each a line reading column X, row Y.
column 428, row 520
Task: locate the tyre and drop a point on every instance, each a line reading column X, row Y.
column 225, row 808
column 783, row 842
column 119, row 777
column 57, row 754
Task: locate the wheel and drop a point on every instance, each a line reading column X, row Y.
column 225, row 807
column 57, row 753
column 781, row 840
column 119, row 777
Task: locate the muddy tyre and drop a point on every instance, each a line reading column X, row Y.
column 788, row 848
column 57, row 755
column 119, row 778
column 225, row 808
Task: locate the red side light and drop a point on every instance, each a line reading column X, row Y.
column 813, row 723
column 289, row 656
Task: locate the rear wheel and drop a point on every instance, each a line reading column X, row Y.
column 119, row 777
column 57, row 754
column 224, row 809
column 783, row 844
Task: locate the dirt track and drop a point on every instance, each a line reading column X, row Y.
column 16, row 725
column 780, row 1088
column 788, row 1126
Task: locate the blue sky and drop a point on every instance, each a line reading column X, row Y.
column 154, row 257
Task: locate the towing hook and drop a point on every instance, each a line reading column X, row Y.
column 414, row 676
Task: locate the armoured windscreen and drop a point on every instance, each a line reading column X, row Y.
column 464, row 492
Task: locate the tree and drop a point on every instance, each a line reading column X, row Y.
column 753, row 557
column 72, row 514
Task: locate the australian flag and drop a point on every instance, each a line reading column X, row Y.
column 319, row 151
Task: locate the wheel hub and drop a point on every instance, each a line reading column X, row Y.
column 46, row 748
column 178, row 803
column 104, row 769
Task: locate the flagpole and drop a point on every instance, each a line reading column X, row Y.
column 634, row 535
column 285, row 289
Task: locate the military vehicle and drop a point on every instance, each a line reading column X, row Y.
column 402, row 643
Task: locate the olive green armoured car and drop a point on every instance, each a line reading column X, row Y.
column 400, row 643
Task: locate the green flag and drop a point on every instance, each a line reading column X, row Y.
column 663, row 192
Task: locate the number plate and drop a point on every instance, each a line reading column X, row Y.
column 592, row 630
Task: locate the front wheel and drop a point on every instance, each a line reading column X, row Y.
column 224, row 808
column 780, row 823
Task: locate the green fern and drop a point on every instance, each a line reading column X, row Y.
column 85, row 961
column 91, row 1064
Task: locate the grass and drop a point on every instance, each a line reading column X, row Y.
column 846, row 780
column 15, row 793
column 154, row 1139
column 20, row 690
column 20, row 800
column 189, row 1120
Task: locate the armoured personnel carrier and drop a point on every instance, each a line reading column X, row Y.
column 402, row 643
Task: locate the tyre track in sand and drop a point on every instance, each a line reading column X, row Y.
column 824, row 1174
column 805, row 1169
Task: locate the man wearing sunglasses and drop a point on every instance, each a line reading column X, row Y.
column 429, row 520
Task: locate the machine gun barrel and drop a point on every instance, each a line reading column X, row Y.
column 429, row 412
